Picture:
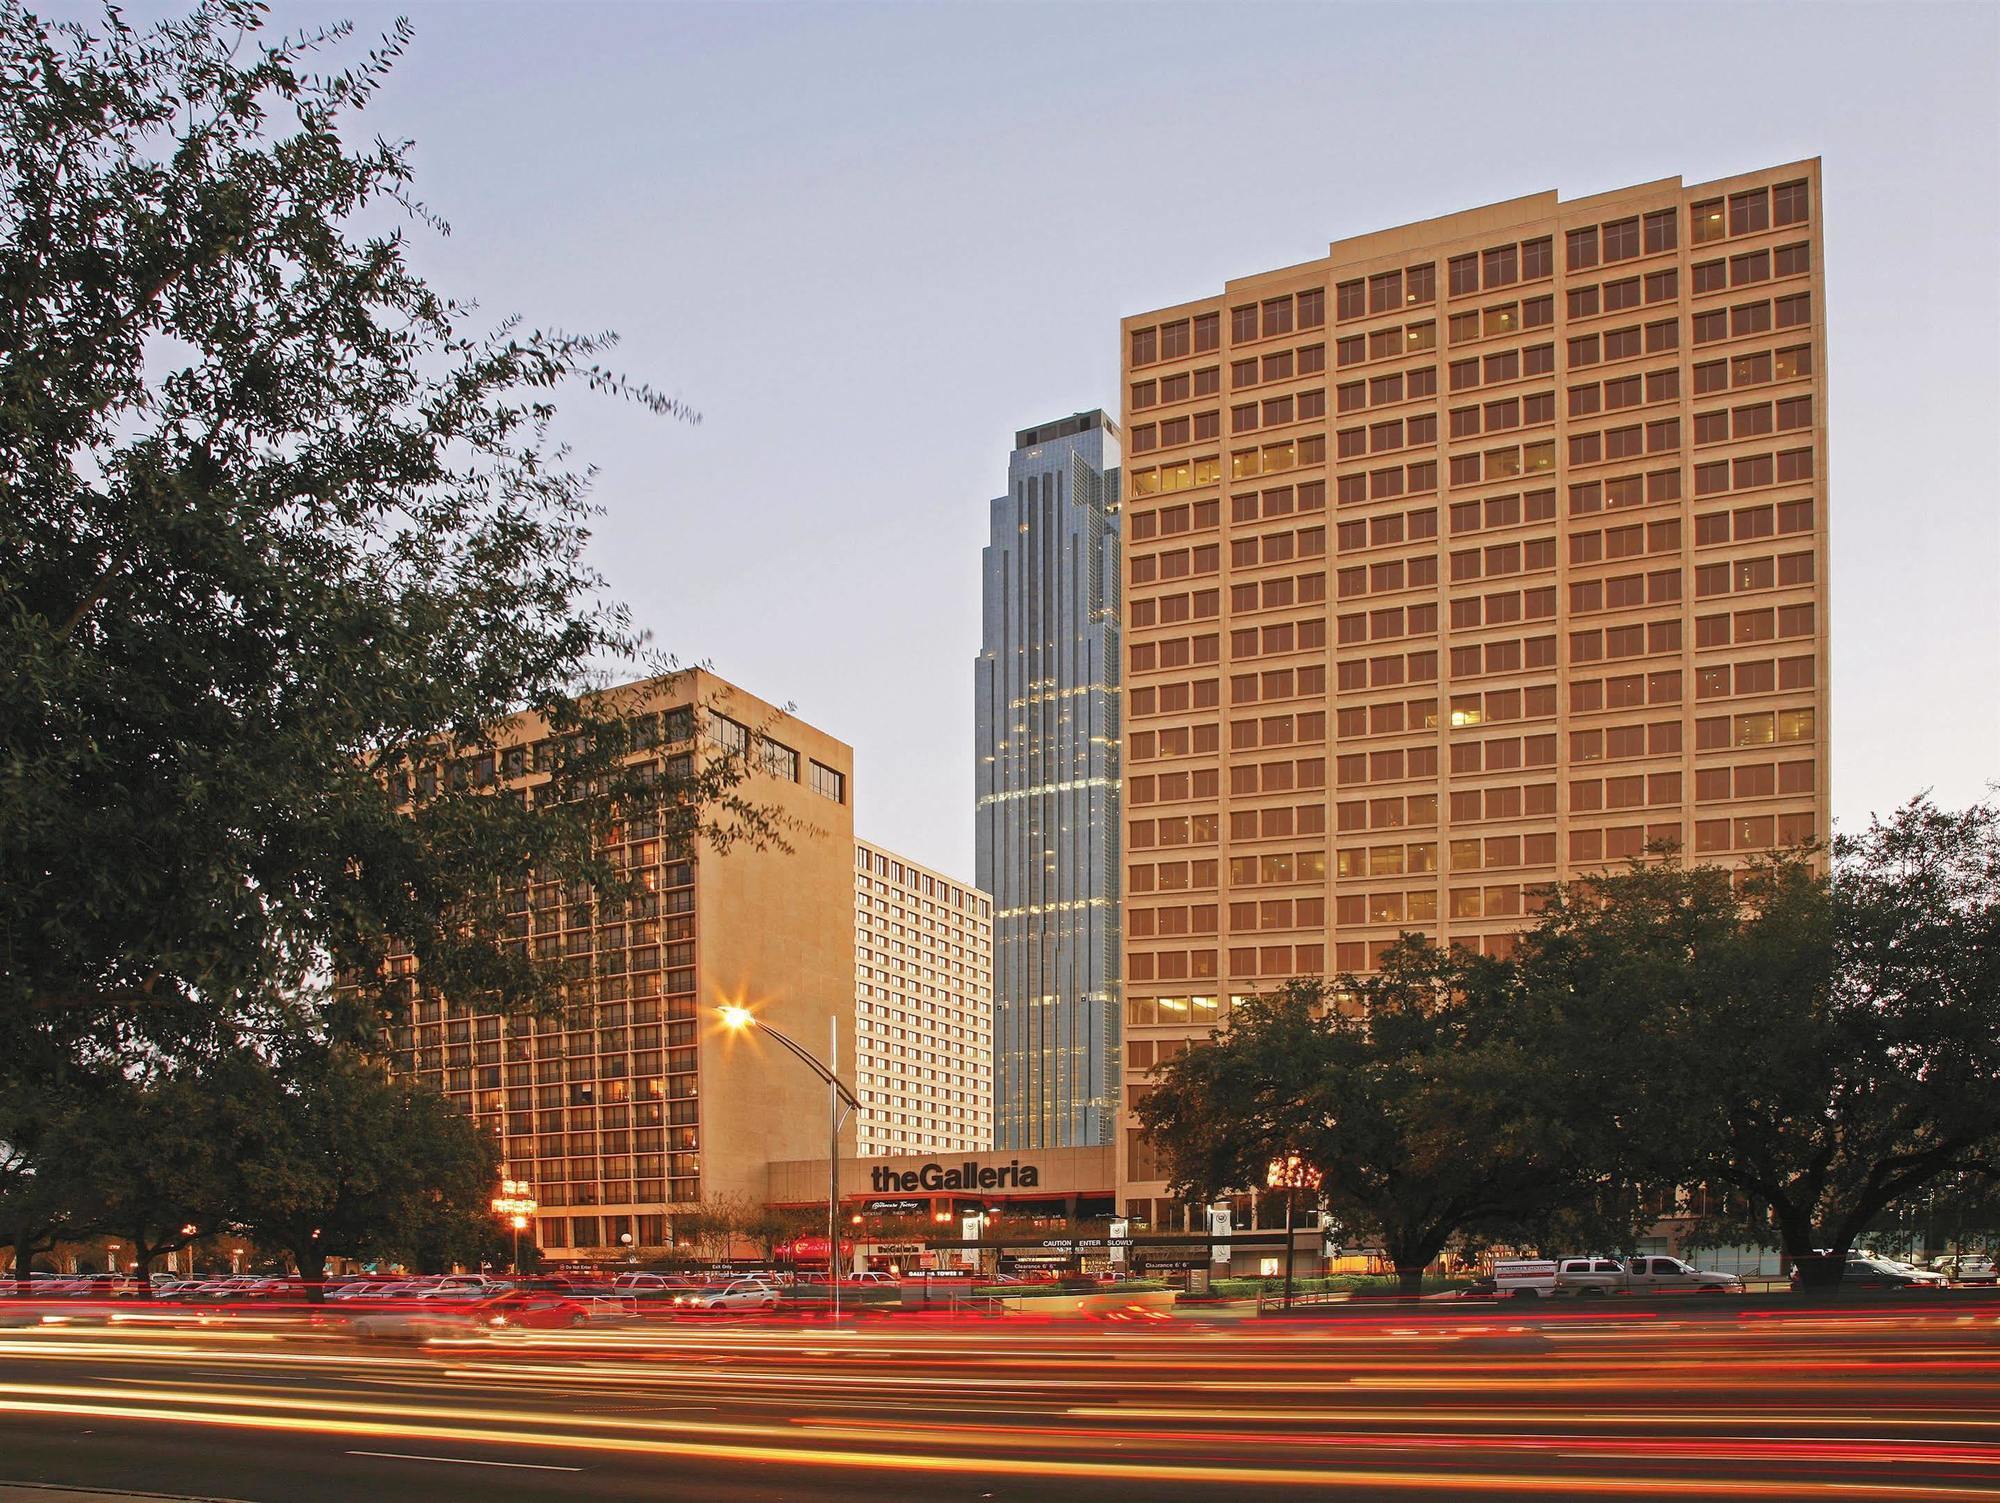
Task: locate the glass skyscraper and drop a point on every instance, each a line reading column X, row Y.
column 1047, row 770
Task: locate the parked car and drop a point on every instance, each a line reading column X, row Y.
column 1863, row 1272
column 1968, row 1268
column 654, row 1289
column 873, row 1279
column 1646, row 1274
column 740, row 1294
column 511, row 1309
column 1928, row 1278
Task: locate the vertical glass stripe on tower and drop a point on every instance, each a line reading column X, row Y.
column 1046, row 772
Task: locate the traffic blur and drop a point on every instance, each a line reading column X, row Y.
column 1761, row 1397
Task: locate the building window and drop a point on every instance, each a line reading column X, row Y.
column 1621, row 239
column 1708, row 221
column 778, row 760
column 1788, row 203
column 1582, row 249
column 728, row 734
column 828, row 783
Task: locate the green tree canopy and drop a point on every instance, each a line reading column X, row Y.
column 1822, row 1038
column 333, row 1157
column 282, row 535
column 1411, row 1092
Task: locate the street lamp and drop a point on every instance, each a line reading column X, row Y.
column 740, row 1020
column 517, row 1203
column 1290, row 1174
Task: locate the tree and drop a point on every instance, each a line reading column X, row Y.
column 771, row 1226
column 281, row 538
column 710, row 1227
column 42, row 1197
column 334, row 1157
column 153, row 1166
column 1823, row 1040
column 1408, row 1091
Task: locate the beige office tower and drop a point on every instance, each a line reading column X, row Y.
column 923, row 1004
column 1477, row 555
column 635, row 1102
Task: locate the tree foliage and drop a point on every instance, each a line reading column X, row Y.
column 333, row 1157
column 1411, row 1092
column 1812, row 1040
column 1822, row 1040
column 309, row 1149
column 283, row 533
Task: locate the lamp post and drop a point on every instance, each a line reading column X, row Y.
column 517, row 1203
column 1290, row 1174
column 740, row 1019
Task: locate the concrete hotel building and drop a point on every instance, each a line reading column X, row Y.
column 1478, row 554
column 923, row 988
column 634, row 1102
column 1046, row 773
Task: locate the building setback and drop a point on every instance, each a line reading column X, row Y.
column 1478, row 555
column 923, row 1003
column 1046, row 765
column 634, row 1102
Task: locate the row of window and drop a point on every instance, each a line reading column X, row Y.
column 1753, row 420
column 1632, row 441
column 1501, row 266
column 1628, row 343
column 1612, row 445
column 1502, row 365
column 1620, row 392
column 1749, row 212
column 1742, row 320
column 1184, row 386
column 1502, row 413
column 1276, row 365
column 1273, row 412
column 1495, row 322
column 1385, row 292
column 1749, row 471
column 1786, row 364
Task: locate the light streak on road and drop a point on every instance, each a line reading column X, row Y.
column 1898, row 1403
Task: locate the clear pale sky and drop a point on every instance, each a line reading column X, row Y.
column 868, row 242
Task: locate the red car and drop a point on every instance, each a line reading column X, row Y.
column 512, row 1310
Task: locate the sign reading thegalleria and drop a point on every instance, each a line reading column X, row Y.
column 966, row 1176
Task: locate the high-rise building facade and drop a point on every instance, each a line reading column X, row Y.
column 634, row 1102
column 1481, row 553
column 923, row 1006
column 1046, row 765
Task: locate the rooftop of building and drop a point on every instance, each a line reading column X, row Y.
column 1069, row 427
column 1477, row 221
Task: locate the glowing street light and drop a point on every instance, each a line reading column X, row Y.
column 517, row 1203
column 738, row 1019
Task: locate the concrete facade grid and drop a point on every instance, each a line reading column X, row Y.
column 1478, row 555
column 923, row 969
column 633, row 1102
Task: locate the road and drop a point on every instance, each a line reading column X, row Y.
column 1744, row 1399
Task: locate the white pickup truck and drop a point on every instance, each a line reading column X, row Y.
column 1648, row 1274
column 1525, row 1278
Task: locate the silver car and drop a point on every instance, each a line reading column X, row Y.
column 743, row 1294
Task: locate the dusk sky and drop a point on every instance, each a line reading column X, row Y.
column 868, row 242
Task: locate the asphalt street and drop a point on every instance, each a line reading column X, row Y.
column 1743, row 1399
